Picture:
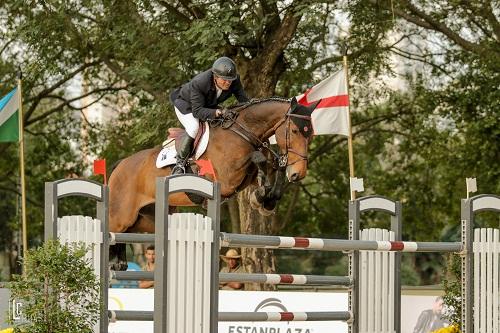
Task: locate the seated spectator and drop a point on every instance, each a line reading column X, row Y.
column 148, row 267
column 233, row 265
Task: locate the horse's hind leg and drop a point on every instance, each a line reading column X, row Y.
column 144, row 224
column 122, row 215
column 118, row 257
column 146, row 220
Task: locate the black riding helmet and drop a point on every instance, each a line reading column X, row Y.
column 225, row 68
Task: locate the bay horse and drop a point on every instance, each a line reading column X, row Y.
column 232, row 148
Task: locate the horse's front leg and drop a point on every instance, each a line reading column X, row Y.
column 266, row 196
column 274, row 194
column 263, row 184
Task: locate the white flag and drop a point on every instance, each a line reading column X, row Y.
column 356, row 184
column 331, row 116
column 471, row 185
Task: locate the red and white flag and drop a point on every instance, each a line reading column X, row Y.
column 331, row 115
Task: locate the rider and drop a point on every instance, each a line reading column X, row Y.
column 198, row 100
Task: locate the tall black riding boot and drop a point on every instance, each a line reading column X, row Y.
column 185, row 149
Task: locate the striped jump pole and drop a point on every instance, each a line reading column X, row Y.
column 120, row 315
column 284, row 316
column 294, row 279
column 323, row 244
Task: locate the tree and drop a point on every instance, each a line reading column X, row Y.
column 141, row 47
column 407, row 141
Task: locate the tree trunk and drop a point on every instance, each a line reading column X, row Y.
column 255, row 260
column 232, row 207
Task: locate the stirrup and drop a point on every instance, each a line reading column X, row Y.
column 179, row 168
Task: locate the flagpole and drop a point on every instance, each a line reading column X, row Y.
column 349, row 138
column 21, row 168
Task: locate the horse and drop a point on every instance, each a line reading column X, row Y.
column 235, row 151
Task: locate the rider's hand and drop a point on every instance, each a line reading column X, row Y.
column 218, row 113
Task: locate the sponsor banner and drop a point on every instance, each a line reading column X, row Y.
column 244, row 301
column 413, row 308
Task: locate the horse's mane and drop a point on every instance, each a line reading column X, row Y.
column 241, row 106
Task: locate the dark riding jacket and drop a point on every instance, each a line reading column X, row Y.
column 199, row 96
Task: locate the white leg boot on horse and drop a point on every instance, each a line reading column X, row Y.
column 185, row 149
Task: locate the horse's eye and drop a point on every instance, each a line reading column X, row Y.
column 295, row 131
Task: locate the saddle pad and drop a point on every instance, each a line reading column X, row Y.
column 167, row 155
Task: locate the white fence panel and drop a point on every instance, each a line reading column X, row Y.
column 84, row 230
column 376, row 285
column 189, row 264
column 486, row 248
column 87, row 231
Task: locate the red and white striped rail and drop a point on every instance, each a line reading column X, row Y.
column 285, row 279
column 115, row 315
column 252, row 278
column 284, row 316
column 302, row 243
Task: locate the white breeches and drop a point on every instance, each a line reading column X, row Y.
column 190, row 123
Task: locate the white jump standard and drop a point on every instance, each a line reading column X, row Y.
column 186, row 292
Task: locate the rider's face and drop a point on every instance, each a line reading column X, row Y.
column 222, row 83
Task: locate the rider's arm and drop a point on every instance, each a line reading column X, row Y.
column 198, row 103
column 239, row 92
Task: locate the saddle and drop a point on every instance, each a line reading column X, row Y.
column 176, row 133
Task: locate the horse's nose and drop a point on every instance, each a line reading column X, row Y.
column 294, row 177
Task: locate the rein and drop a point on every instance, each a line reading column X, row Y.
column 229, row 120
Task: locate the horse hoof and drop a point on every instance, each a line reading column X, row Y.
column 265, row 212
column 118, row 266
column 254, row 202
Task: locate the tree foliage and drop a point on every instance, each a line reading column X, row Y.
column 59, row 290
column 424, row 97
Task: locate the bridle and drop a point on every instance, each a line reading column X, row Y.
column 282, row 159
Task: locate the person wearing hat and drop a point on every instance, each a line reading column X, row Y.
column 233, row 265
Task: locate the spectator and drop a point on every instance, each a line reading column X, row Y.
column 148, row 267
column 233, row 265
column 432, row 319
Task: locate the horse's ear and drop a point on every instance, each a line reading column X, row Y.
column 314, row 105
column 293, row 103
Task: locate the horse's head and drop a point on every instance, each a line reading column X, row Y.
column 293, row 137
